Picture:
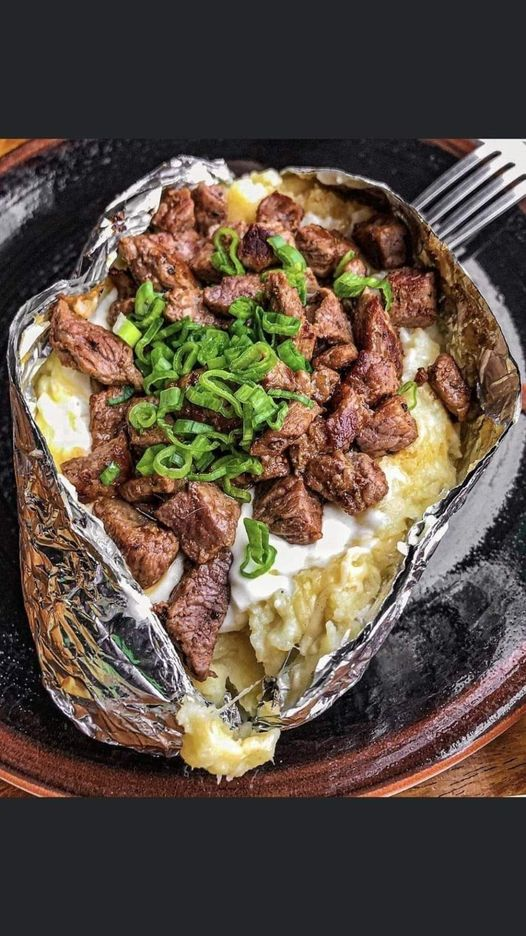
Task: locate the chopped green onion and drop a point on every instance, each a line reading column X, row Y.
column 343, row 262
column 350, row 285
column 143, row 415
column 169, row 456
column 191, row 427
column 411, row 388
column 185, row 357
column 146, row 339
column 259, row 553
column 243, row 308
column 230, row 466
column 233, row 491
column 253, row 362
column 225, row 259
column 289, row 256
column 125, row 394
column 289, row 354
column 275, row 323
column 149, row 304
column 277, row 421
column 145, row 464
column 290, row 395
column 110, row 473
column 126, row 330
column 170, row 401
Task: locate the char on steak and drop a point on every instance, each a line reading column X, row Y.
column 280, row 209
column 84, row 472
column 175, row 212
column 324, row 249
column 289, row 510
column 448, row 383
column 203, row 518
column 390, row 429
column 350, row 415
column 91, row 349
column 384, row 241
column 197, row 609
column 297, row 421
column 142, row 490
column 374, row 375
column 337, row 358
column 105, row 420
column 154, row 257
column 219, row 298
column 374, row 331
column 414, row 297
column 210, row 207
column 147, row 548
column 353, row 481
column 331, row 323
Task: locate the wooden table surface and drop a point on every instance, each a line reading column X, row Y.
column 499, row 769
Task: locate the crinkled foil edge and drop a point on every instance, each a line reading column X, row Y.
column 105, row 657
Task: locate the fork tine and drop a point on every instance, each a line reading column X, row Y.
column 490, row 213
column 478, row 201
column 459, row 192
column 488, row 148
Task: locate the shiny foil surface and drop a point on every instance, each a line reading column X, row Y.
column 105, row 657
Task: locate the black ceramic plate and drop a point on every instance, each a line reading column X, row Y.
column 452, row 674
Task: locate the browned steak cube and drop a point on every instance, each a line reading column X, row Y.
column 384, row 241
column 197, row 609
column 283, row 297
column 280, row 209
column 143, row 438
column 297, row 421
column 322, row 249
column 331, row 323
column 255, row 252
column 337, row 358
column 153, row 257
column 201, row 263
column 324, row 382
column 210, row 207
column 348, row 418
column 448, row 383
column 203, row 518
column 309, row 445
column 105, row 420
column 175, row 212
column 124, row 283
column 91, row 349
column 141, row 490
column 84, row 472
column 280, row 377
column 374, row 331
column 187, row 302
column 289, row 510
column 274, row 466
column 390, row 429
column 374, row 375
column 353, row 481
column 414, row 297
column 219, row 298
column 147, row 548
column 305, row 340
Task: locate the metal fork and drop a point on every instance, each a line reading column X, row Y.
column 475, row 191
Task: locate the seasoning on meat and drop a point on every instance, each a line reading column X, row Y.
column 219, row 298
column 383, row 241
column 201, row 263
column 140, row 490
column 297, row 421
column 84, row 472
column 281, row 209
column 375, row 375
column 203, row 518
column 210, row 207
column 414, row 297
column 147, row 548
column 281, row 296
column 324, row 381
column 106, row 420
column 274, row 466
column 197, row 609
column 374, row 331
column 337, row 358
column 91, row 349
column 149, row 258
column 322, row 249
column 309, row 445
column 390, row 429
column 349, row 417
column 331, row 324
column 187, row 302
column 255, row 252
column 353, row 481
column 175, row 212
column 448, row 383
column 289, row 510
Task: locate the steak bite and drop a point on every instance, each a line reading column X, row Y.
column 289, row 510
column 91, row 349
column 210, row 207
column 187, row 302
column 175, row 212
column 154, row 257
column 336, row 358
column 219, row 298
column 414, row 297
column 349, row 417
column 309, row 445
column 201, row 263
column 330, row 321
column 280, row 209
column 203, row 518
column 255, row 252
column 384, row 241
column 143, row 489
column 283, row 297
column 324, row 382
column 123, row 283
column 324, row 249
column 84, row 472
column 448, row 383
column 353, row 481
column 390, row 429
column 374, row 331
column 297, row 421
column 274, row 466
column 105, row 420
column 197, row 609
column 374, row 375
column 147, row 548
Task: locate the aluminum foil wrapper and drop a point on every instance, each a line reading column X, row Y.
column 105, row 657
